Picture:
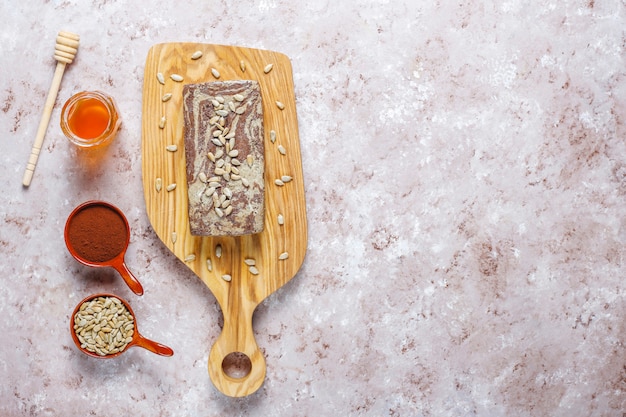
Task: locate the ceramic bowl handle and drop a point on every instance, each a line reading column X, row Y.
column 132, row 282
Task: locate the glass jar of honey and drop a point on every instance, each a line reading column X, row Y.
column 90, row 119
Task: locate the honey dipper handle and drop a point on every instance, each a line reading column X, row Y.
column 64, row 52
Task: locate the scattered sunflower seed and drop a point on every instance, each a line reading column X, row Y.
column 249, row 261
column 190, row 258
column 242, row 65
column 166, row 97
column 171, row 187
column 283, row 256
column 177, row 77
column 218, row 251
column 158, row 184
column 280, row 219
column 174, row 237
column 171, row 148
column 279, row 182
column 280, row 105
column 162, row 122
column 227, row 277
column 286, row 178
column 209, row 265
column 272, row 136
column 268, row 68
column 215, row 73
column 282, row 150
column 160, row 78
column 196, row 55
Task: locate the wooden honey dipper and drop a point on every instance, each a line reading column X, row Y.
column 64, row 52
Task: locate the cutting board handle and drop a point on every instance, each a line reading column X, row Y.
column 236, row 348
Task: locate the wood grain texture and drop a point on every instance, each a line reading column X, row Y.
column 167, row 210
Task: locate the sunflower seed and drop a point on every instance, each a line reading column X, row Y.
column 202, row 177
column 242, row 65
column 279, row 182
column 286, row 178
column 219, row 171
column 158, row 184
column 196, row 55
column 231, row 106
column 210, row 191
column 234, row 170
column 239, row 97
column 211, row 156
column 240, row 110
column 215, row 73
column 253, row 270
column 283, row 256
column 228, row 210
column 176, row 77
column 171, row 187
column 171, row 148
column 280, row 219
column 209, row 265
column 234, row 153
column 162, row 122
column 217, row 142
column 101, row 334
column 222, row 113
column 166, row 97
column 249, row 261
column 245, row 182
column 268, row 68
column 235, row 162
column 280, row 105
column 282, row 150
column 219, row 212
column 213, row 120
column 218, row 251
column 235, row 177
column 272, row 136
column 215, row 183
column 160, row 78
column 250, row 160
column 227, row 277
column 190, row 258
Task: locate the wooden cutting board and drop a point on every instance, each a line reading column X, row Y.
column 167, row 210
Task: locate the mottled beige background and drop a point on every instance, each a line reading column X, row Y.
column 465, row 171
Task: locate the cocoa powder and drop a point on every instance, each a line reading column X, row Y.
column 97, row 233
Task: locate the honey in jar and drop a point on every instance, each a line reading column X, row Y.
column 90, row 119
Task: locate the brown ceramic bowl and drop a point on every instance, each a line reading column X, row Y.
column 137, row 338
column 81, row 238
